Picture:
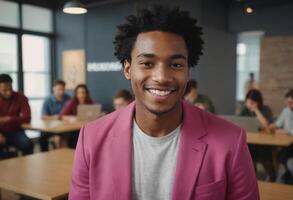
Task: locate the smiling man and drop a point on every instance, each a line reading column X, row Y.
column 160, row 147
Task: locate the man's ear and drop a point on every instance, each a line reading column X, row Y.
column 126, row 69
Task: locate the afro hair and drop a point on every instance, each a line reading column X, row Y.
column 159, row 18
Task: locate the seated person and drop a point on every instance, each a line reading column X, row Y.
column 254, row 107
column 52, row 107
column 284, row 125
column 69, row 113
column 14, row 110
column 122, row 98
column 194, row 97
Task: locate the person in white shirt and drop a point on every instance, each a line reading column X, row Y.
column 284, row 125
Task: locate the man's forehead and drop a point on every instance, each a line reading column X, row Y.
column 154, row 42
column 5, row 85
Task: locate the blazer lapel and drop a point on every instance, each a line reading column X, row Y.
column 190, row 155
column 122, row 154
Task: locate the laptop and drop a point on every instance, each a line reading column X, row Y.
column 250, row 124
column 89, row 112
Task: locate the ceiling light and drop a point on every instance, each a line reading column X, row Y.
column 248, row 9
column 74, row 7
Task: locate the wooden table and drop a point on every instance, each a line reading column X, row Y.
column 42, row 175
column 270, row 139
column 275, row 191
column 54, row 126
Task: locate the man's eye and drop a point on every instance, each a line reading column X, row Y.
column 147, row 64
column 176, row 65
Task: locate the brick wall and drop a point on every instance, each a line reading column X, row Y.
column 276, row 70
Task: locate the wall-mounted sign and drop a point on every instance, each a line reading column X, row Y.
column 73, row 62
column 104, row 66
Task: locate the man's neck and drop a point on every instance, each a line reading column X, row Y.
column 158, row 125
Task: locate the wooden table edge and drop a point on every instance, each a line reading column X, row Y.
column 31, row 194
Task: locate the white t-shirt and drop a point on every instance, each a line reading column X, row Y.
column 285, row 120
column 154, row 164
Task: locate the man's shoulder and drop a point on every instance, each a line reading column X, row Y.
column 215, row 124
column 106, row 120
column 218, row 125
column 20, row 95
column 48, row 99
column 222, row 136
column 104, row 125
column 287, row 110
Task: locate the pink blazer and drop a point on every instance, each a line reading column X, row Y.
column 213, row 161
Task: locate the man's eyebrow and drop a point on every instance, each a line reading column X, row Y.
column 178, row 56
column 148, row 55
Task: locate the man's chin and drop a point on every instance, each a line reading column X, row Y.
column 162, row 111
column 5, row 97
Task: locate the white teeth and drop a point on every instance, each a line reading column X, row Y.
column 160, row 92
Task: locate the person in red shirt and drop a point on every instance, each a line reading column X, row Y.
column 81, row 96
column 14, row 110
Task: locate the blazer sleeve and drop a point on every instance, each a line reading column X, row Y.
column 242, row 182
column 79, row 189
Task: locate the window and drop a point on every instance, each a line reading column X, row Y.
column 36, row 68
column 35, row 53
column 9, row 15
column 8, row 56
column 37, row 18
column 248, row 55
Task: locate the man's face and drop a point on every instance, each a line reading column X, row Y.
column 120, row 103
column 158, row 71
column 290, row 102
column 58, row 91
column 6, row 90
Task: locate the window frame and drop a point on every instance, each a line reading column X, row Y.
column 19, row 33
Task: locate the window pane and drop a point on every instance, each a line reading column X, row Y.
column 248, row 59
column 37, row 18
column 9, row 15
column 36, row 53
column 8, row 52
column 36, row 108
column 36, row 85
column 15, row 81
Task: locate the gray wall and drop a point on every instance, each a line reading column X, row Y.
column 70, row 31
column 100, row 30
column 273, row 20
column 215, row 14
column 217, row 69
column 95, row 32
